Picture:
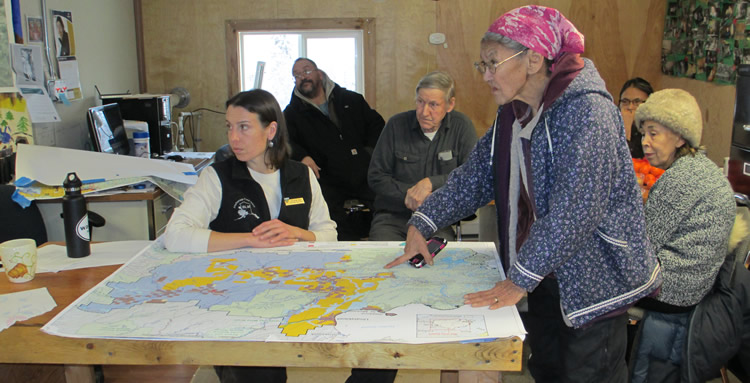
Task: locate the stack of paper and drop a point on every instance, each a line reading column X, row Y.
column 41, row 170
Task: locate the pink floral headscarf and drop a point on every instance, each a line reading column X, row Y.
column 541, row 29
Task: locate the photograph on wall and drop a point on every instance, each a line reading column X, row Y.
column 62, row 22
column 15, row 123
column 6, row 73
column 27, row 63
column 34, row 29
column 706, row 39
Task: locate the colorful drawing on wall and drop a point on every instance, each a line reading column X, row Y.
column 15, row 122
column 6, row 73
column 706, row 39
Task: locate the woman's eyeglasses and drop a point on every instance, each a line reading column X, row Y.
column 483, row 66
column 624, row 102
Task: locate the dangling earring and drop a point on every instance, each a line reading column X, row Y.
column 270, row 144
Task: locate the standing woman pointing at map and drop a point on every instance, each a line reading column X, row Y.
column 256, row 198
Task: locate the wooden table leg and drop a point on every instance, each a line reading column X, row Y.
column 75, row 373
column 479, row 377
column 418, row 376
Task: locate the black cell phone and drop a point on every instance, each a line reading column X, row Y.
column 434, row 245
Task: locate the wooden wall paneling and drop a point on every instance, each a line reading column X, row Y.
column 464, row 24
column 371, row 68
column 717, row 107
column 296, row 9
column 233, row 52
column 386, row 72
column 648, row 54
column 604, row 44
column 206, row 64
column 641, row 28
column 632, row 28
column 404, row 53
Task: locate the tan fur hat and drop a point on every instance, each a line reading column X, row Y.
column 677, row 110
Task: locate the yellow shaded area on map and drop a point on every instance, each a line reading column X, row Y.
column 220, row 269
column 339, row 291
column 342, row 293
column 269, row 273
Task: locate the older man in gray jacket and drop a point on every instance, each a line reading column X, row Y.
column 414, row 155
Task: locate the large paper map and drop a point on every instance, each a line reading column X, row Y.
column 310, row 292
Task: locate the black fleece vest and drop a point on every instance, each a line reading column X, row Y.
column 244, row 206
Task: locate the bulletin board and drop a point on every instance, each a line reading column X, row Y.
column 706, row 39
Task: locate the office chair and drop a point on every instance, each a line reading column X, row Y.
column 458, row 225
column 18, row 222
column 223, row 153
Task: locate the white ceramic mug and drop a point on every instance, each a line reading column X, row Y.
column 19, row 259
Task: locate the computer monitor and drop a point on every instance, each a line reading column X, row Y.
column 107, row 129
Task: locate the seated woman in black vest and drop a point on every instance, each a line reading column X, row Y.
column 256, row 198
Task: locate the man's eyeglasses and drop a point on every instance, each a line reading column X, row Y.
column 624, row 102
column 483, row 66
column 304, row 73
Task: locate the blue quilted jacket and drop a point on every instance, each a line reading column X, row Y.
column 589, row 229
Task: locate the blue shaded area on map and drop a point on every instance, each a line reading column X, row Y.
column 226, row 291
column 451, row 257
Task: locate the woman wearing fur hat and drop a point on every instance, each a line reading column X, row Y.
column 689, row 215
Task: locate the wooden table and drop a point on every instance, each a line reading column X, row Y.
column 24, row 342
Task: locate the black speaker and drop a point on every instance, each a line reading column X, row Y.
column 741, row 126
column 738, row 167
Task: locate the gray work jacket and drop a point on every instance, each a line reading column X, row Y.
column 403, row 156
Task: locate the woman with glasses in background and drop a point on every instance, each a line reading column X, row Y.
column 634, row 92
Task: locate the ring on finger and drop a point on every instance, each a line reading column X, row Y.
column 496, row 300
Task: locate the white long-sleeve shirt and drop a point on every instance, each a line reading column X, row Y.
column 188, row 231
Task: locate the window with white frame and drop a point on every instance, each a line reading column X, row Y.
column 266, row 58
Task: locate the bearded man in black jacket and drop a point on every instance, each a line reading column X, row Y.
column 334, row 131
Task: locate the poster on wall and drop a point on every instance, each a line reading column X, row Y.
column 67, row 65
column 706, row 39
column 15, row 123
column 64, row 33
column 27, row 64
column 6, row 73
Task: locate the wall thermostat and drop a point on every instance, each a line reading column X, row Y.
column 437, row 38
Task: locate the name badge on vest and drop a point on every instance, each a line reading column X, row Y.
column 354, row 152
column 445, row 156
column 293, row 201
